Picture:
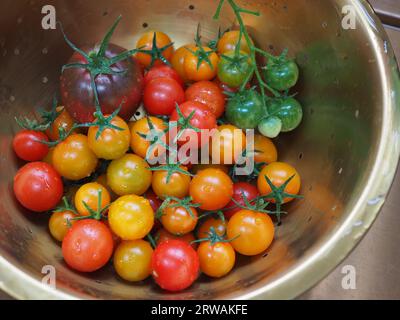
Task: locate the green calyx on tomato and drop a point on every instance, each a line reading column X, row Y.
column 173, row 202
column 94, row 214
column 98, row 63
column 245, row 109
column 235, row 69
column 281, row 73
column 155, row 52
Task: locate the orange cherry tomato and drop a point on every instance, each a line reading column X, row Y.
column 252, row 232
column 204, row 71
column 177, row 186
column 212, row 189
column 216, row 260
column 218, row 224
column 279, row 173
column 229, row 142
column 208, row 93
column 265, row 150
column 64, row 121
column 59, row 224
column 146, row 43
column 199, row 167
column 89, row 194
column 229, row 41
column 178, row 60
column 139, row 144
column 179, row 220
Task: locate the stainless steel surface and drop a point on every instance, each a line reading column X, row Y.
column 388, row 11
column 348, row 143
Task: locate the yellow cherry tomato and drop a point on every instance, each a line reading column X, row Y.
column 131, row 217
column 112, row 143
column 129, row 175
column 178, row 60
column 132, row 260
column 179, row 220
column 146, row 43
column 73, row 158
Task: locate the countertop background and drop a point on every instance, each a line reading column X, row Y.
column 377, row 258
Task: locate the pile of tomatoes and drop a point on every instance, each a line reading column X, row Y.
column 170, row 221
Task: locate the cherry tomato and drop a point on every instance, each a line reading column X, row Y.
column 112, row 143
column 164, row 235
column 204, row 71
column 59, row 224
column 175, row 265
column 279, row 173
column 161, row 96
column 88, row 245
column 113, row 90
column 179, row 220
column 265, row 150
column 246, row 109
column 89, row 194
column 146, row 43
column 139, row 144
column 240, row 189
column 199, row 167
column 178, row 60
column 230, row 40
column 102, row 179
column 129, row 175
column 28, row 147
column 216, row 260
column 208, row 93
column 253, row 232
column 132, row 260
column 64, row 121
column 218, row 224
column 131, row 217
column 162, row 71
column 212, row 189
column 234, row 73
column 227, row 144
column 49, row 157
column 38, row 187
column 202, row 118
column 73, row 158
column 177, row 186
column 282, row 74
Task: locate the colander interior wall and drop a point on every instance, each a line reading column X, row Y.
column 349, row 120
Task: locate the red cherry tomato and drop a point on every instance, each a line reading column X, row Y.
column 203, row 118
column 162, row 71
column 88, row 245
column 175, row 265
column 249, row 191
column 161, row 96
column 208, row 93
column 38, row 186
column 28, row 147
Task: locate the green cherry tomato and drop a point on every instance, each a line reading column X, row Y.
column 289, row 110
column 270, row 127
column 232, row 70
column 245, row 110
column 281, row 74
